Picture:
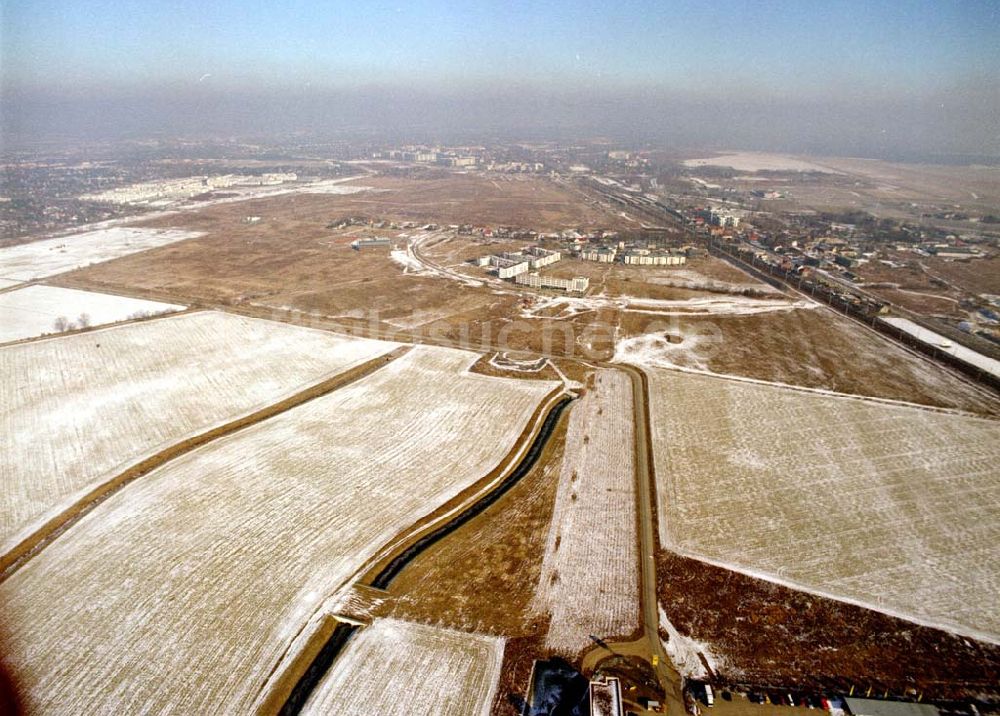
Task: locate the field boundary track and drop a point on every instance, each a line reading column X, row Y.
column 288, row 692
column 31, row 545
column 818, row 392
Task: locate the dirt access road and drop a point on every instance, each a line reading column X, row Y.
column 648, row 646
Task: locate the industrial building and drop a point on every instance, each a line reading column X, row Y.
column 535, row 280
column 375, row 243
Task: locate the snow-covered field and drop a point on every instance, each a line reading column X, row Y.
column 684, row 278
column 893, row 507
column 332, row 187
column 959, row 351
column 589, row 581
column 36, row 310
column 78, row 410
column 183, row 590
column 715, row 305
column 38, row 259
column 756, row 162
column 397, row 668
column 701, row 306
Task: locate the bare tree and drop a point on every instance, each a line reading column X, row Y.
column 83, row 320
column 61, row 324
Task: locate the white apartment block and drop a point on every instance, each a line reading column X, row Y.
column 534, row 280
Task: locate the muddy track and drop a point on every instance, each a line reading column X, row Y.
column 38, row 540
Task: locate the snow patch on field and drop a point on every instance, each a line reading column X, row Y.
column 332, row 187
column 716, row 305
column 185, row 590
column 683, row 278
column 683, row 651
column 589, row 580
column 891, row 507
column 78, row 410
column 656, row 350
column 700, row 306
column 404, row 258
column 756, row 162
column 397, row 668
column 39, row 259
column 35, row 310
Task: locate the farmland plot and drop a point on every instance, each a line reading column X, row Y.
column 397, row 668
column 892, row 507
column 589, row 581
column 36, row 310
column 78, row 410
column 185, row 589
column 38, row 259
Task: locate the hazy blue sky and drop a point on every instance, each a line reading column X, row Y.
column 929, row 54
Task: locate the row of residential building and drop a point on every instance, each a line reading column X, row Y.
column 522, row 266
column 535, row 280
column 633, row 257
column 512, row 263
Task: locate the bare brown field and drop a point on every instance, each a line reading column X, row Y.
column 290, row 265
column 933, row 285
column 975, row 275
column 436, row 196
column 927, row 304
column 765, row 634
column 316, row 271
column 911, row 277
column 814, row 348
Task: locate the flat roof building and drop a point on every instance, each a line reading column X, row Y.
column 359, row 244
column 578, row 284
